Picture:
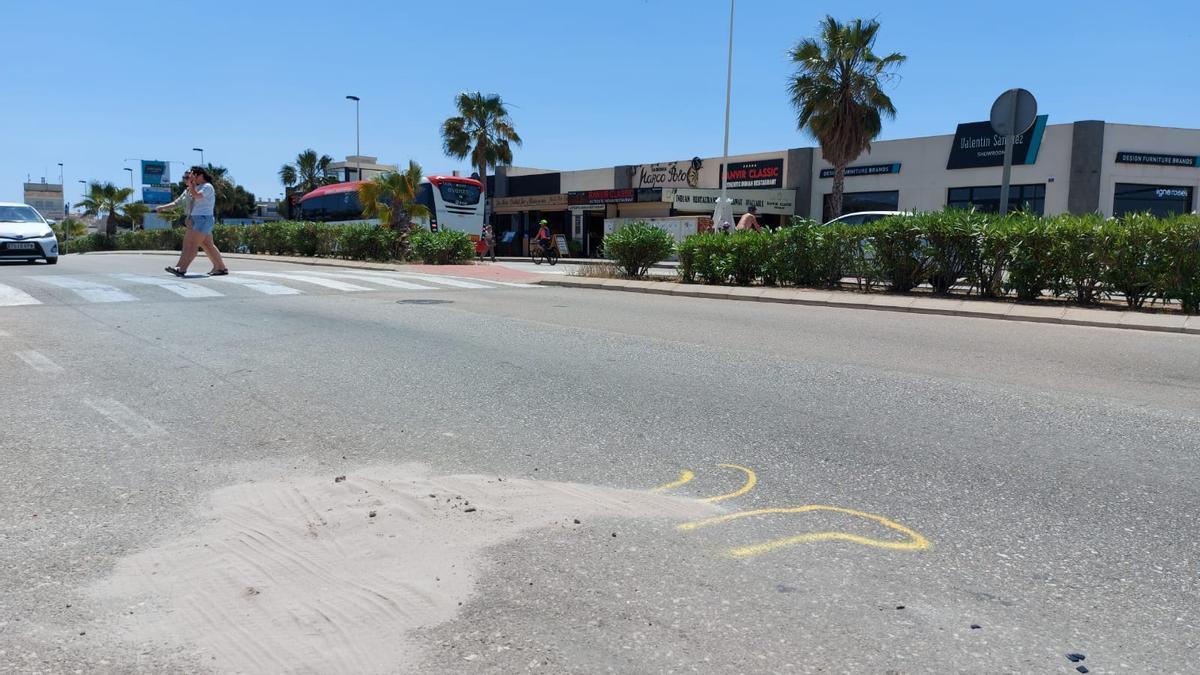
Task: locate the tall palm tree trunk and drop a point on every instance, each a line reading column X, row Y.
column 839, row 188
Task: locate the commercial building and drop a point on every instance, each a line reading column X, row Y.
column 359, row 167
column 1080, row 167
column 47, row 198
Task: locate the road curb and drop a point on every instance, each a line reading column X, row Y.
column 1007, row 311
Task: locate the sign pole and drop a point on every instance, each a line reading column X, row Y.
column 1007, row 177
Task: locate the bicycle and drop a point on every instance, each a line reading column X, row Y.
column 537, row 253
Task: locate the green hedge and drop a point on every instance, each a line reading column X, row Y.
column 637, row 246
column 358, row 241
column 1084, row 258
column 442, row 248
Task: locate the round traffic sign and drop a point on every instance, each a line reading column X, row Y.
column 1013, row 112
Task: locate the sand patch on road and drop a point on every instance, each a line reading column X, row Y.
column 321, row 576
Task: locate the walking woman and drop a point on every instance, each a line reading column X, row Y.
column 199, row 235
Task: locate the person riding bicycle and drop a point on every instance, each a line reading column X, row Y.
column 543, row 235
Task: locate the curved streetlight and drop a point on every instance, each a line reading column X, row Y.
column 201, row 151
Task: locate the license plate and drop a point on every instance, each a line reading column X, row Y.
column 21, row 245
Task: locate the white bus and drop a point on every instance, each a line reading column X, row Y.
column 454, row 203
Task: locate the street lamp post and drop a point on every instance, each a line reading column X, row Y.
column 63, row 187
column 201, row 151
column 357, row 149
column 723, row 208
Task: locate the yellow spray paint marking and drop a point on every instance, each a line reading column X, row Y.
column 915, row 542
column 751, row 481
column 685, row 477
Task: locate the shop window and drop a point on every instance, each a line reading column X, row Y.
column 853, row 202
column 1159, row 200
column 986, row 198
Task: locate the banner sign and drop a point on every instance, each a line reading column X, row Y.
column 530, row 203
column 977, row 145
column 759, row 174
column 155, row 173
column 155, row 196
column 1158, row 160
column 585, row 197
column 872, row 170
column 677, row 174
column 782, row 202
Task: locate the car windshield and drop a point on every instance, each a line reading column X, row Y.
column 19, row 214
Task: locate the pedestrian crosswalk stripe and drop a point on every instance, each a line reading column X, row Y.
column 88, row 290
column 261, row 285
column 432, row 278
column 318, row 281
column 38, row 361
column 181, row 288
column 382, row 281
column 11, row 297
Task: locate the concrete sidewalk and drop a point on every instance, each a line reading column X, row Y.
column 976, row 308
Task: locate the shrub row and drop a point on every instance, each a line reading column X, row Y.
column 360, row 241
column 1085, row 258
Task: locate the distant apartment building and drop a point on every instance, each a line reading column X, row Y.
column 47, row 198
column 360, row 167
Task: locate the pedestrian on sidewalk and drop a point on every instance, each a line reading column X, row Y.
column 204, row 200
column 489, row 240
column 749, row 220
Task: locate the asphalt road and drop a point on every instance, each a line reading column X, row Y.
column 1051, row 470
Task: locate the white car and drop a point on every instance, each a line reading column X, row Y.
column 25, row 234
column 863, row 217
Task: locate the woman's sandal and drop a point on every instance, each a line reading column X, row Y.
column 176, row 271
column 219, row 273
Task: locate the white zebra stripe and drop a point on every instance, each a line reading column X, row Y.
column 39, row 361
column 381, row 280
column 88, row 290
column 318, row 281
column 11, row 297
column 430, row 278
column 132, row 423
column 260, row 285
column 180, row 288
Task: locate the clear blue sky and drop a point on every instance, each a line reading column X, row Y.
column 591, row 84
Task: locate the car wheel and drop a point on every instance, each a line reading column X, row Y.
column 52, row 261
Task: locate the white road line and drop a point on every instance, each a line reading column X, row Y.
column 181, row 288
column 431, row 278
column 11, row 297
column 318, row 281
column 129, row 421
column 39, row 362
column 381, row 280
column 260, row 285
column 88, row 290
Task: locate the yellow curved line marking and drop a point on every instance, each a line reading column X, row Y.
column 685, row 477
column 915, row 542
column 751, row 481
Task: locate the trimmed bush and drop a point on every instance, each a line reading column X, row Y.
column 712, row 257
column 1032, row 266
column 1180, row 275
column 898, row 252
column 442, row 248
column 747, row 254
column 637, row 246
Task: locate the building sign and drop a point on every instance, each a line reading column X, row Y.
column 529, row 203
column 872, row 170
column 1158, row 160
column 155, row 173
column 674, row 175
column 586, row 197
column 977, row 145
column 759, row 174
column 155, row 195
column 781, row 202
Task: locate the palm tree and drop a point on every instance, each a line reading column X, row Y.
column 392, row 197
column 136, row 213
column 309, row 172
column 838, row 96
column 105, row 198
column 482, row 131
